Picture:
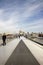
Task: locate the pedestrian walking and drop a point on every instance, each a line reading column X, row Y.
column 4, row 39
column 19, row 36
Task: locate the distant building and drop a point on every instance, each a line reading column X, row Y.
column 40, row 34
column 10, row 36
column 34, row 34
column 21, row 33
column 28, row 35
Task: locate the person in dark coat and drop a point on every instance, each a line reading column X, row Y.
column 19, row 36
column 4, row 39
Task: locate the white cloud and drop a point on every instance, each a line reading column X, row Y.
column 29, row 10
column 1, row 11
column 34, row 26
column 12, row 23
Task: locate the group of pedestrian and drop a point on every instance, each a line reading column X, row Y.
column 4, row 39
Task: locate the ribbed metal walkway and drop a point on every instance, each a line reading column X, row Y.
column 21, row 56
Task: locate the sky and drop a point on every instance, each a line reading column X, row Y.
column 25, row 15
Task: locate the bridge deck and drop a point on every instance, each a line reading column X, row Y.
column 25, row 52
column 22, row 56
